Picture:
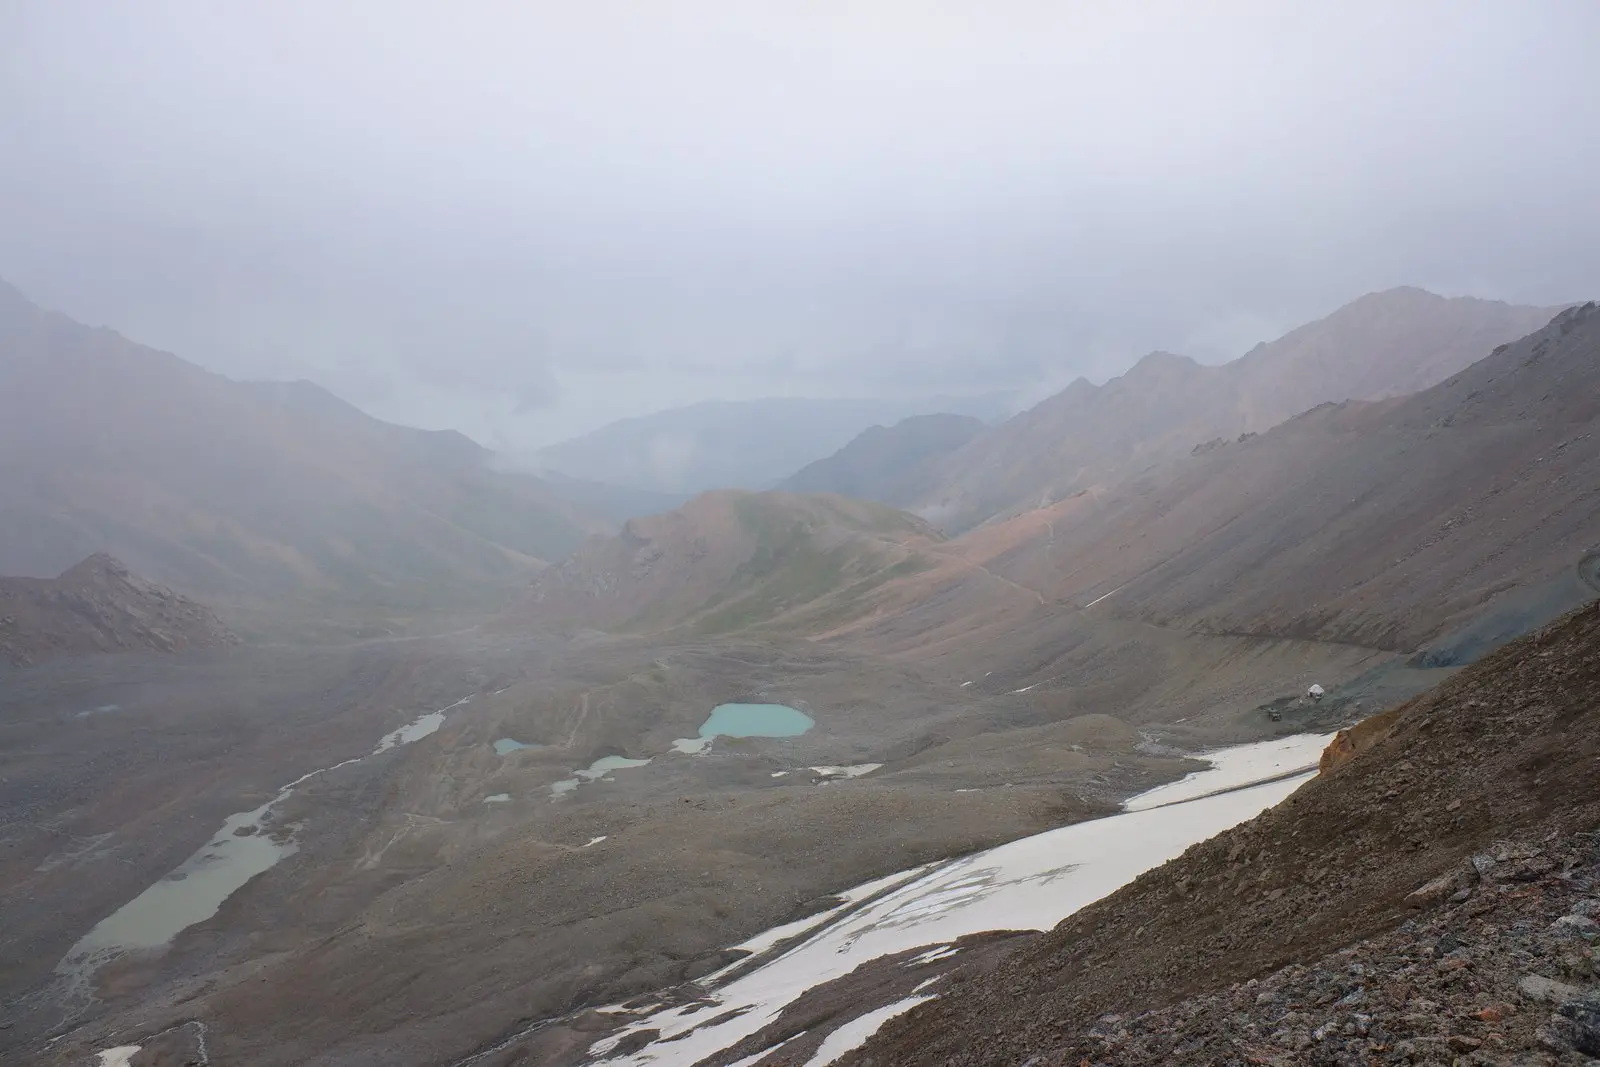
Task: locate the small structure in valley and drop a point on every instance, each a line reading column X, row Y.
column 1316, row 692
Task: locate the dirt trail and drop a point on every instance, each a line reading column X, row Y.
column 1003, row 580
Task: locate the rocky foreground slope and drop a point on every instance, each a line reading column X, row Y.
column 99, row 606
column 1429, row 899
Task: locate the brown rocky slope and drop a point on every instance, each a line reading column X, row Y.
column 1507, row 751
column 99, row 606
column 1372, row 524
column 731, row 560
column 1382, row 345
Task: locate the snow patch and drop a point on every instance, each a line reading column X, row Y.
column 854, row 770
column 854, row 1034
column 1033, row 883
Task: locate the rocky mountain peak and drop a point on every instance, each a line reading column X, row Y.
column 99, row 605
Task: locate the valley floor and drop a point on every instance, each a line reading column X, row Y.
column 438, row 893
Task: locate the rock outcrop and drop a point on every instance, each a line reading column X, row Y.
column 100, row 606
column 1358, row 738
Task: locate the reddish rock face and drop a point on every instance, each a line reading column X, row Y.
column 1358, row 738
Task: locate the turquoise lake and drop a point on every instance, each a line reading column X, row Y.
column 750, row 720
column 756, row 720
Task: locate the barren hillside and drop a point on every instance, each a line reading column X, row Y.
column 277, row 494
column 894, row 465
column 730, row 561
column 1368, row 527
column 1384, row 344
column 98, row 606
column 1375, row 524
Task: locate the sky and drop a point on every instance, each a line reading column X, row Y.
column 523, row 220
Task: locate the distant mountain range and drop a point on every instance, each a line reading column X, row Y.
column 747, row 444
column 272, row 500
column 1384, row 344
column 1373, row 524
column 890, row 464
column 278, row 497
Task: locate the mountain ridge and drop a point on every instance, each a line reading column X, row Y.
column 1371, row 525
column 98, row 605
column 1380, row 345
column 889, row 464
column 731, row 561
column 276, row 496
column 736, row 444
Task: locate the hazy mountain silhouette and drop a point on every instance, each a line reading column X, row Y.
column 1384, row 344
column 275, row 493
column 746, row 444
column 1375, row 524
column 890, row 464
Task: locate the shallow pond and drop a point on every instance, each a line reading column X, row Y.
column 594, row 772
column 747, row 720
column 242, row 848
column 507, row 745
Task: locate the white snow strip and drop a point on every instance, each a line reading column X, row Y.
column 594, row 841
column 854, row 1033
column 1097, row 599
column 120, row 1056
column 937, row 953
column 1032, row 884
column 854, row 770
column 1230, row 766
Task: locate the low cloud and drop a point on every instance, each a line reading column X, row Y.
column 524, row 220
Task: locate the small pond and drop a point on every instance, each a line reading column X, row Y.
column 747, row 720
column 246, row 844
column 507, row 745
column 594, row 772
